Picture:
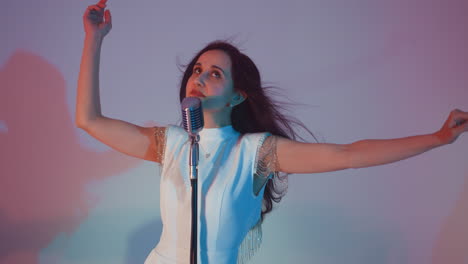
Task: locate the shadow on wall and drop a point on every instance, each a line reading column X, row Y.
column 146, row 235
column 43, row 167
column 451, row 245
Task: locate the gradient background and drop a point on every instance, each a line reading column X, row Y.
column 360, row 69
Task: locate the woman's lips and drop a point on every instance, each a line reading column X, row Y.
column 196, row 93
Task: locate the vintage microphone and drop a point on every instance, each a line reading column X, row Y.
column 192, row 118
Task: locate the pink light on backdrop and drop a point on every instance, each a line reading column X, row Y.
column 43, row 167
column 451, row 245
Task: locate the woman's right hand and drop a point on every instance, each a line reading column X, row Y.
column 97, row 21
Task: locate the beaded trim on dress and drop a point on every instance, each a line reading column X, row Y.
column 159, row 134
column 250, row 244
column 267, row 157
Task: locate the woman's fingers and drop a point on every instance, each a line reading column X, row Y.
column 97, row 20
column 454, row 126
column 95, row 17
column 108, row 17
column 459, row 117
column 463, row 127
column 459, row 122
column 96, row 12
column 97, row 8
column 102, row 4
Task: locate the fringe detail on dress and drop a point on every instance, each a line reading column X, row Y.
column 251, row 243
column 267, row 159
column 160, row 142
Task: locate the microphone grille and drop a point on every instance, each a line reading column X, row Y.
column 192, row 115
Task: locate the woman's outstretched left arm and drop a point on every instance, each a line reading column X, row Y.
column 297, row 157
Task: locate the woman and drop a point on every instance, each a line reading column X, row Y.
column 246, row 142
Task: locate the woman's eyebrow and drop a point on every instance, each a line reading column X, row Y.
column 217, row 67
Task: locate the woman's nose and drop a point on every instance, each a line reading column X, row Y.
column 199, row 81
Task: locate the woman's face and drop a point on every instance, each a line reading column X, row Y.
column 211, row 80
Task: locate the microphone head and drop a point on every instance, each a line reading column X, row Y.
column 192, row 115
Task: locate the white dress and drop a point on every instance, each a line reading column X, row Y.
column 228, row 210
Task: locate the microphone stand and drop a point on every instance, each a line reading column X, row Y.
column 192, row 116
column 193, row 163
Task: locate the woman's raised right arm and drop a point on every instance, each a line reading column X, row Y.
column 130, row 139
column 88, row 103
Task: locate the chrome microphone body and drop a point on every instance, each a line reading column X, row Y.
column 192, row 118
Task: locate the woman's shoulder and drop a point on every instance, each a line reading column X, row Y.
column 256, row 135
column 175, row 133
column 255, row 139
column 175, row 129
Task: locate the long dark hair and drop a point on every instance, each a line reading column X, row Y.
column 258, row 113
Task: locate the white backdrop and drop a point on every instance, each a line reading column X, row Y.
column 361, row 69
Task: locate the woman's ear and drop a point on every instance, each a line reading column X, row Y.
column 238, row 98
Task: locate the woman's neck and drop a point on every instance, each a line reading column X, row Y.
column 216, row 119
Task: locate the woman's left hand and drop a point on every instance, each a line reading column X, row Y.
column 454, row 126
